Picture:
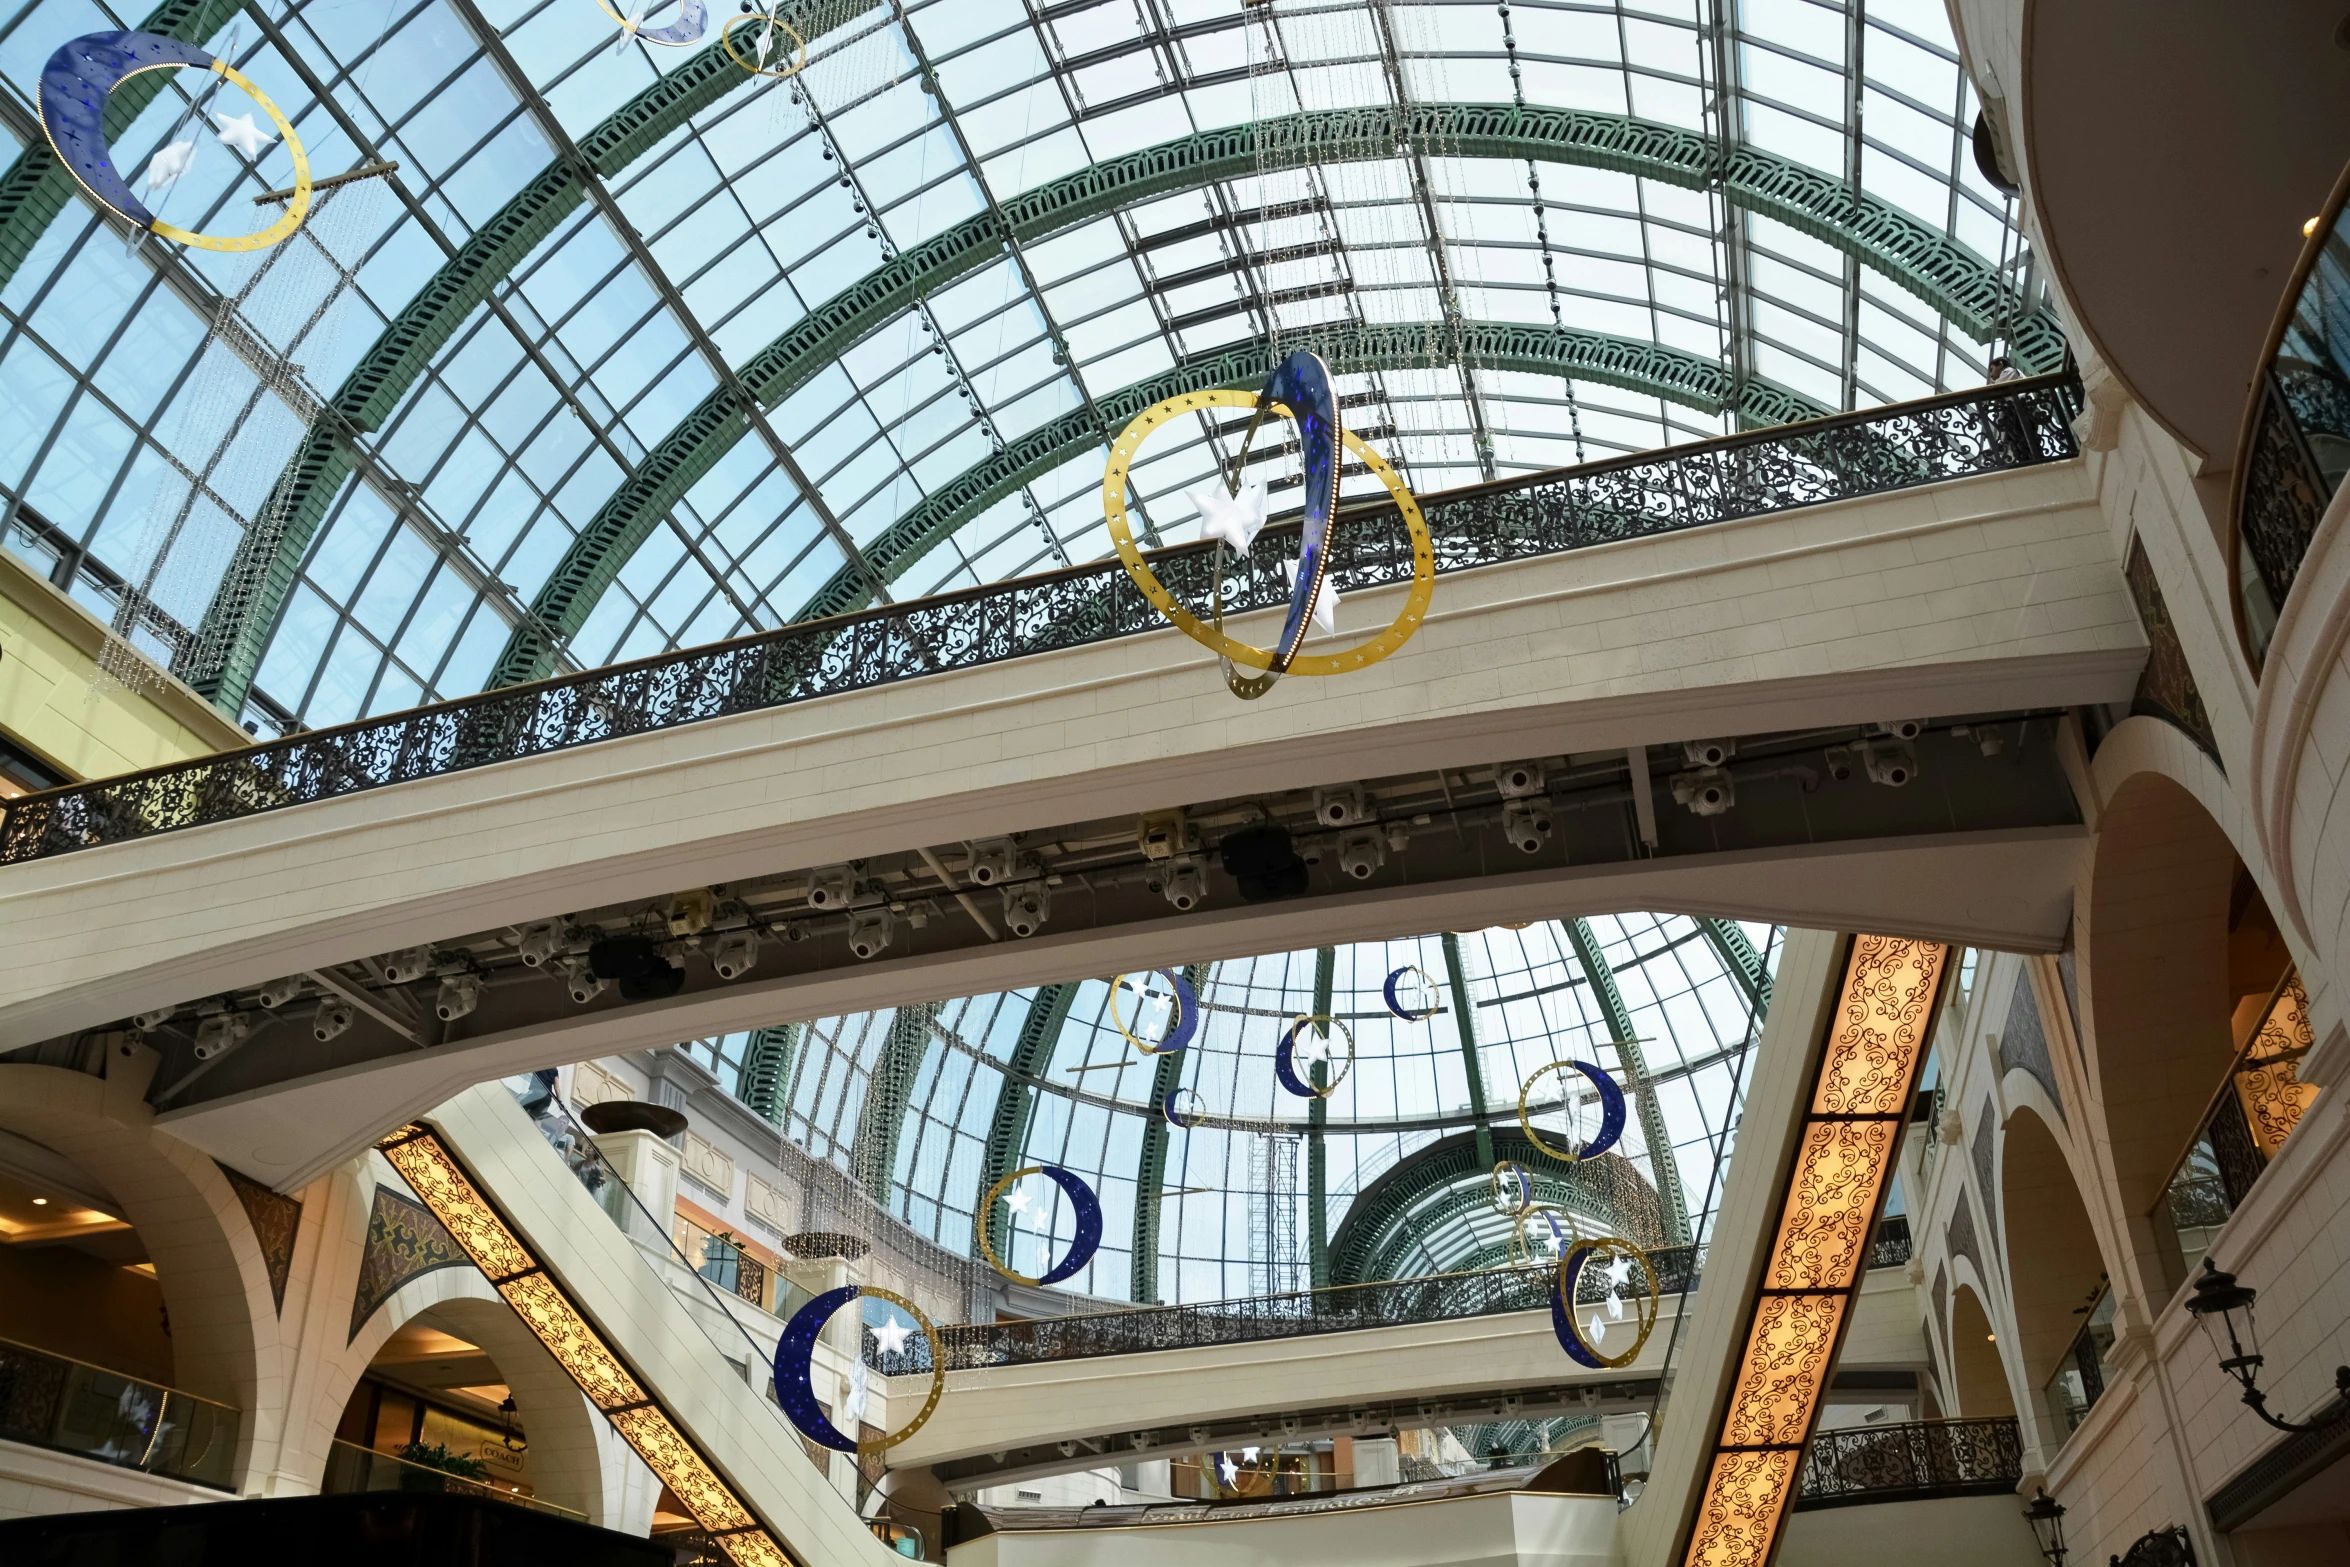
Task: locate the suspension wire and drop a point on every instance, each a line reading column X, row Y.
column 1550, row 280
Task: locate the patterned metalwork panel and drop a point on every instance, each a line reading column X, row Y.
column 547, row 1309
column 1893, row 1244
column 2018, row 425
column 404, row 1241
column 1926, row 1458
column 2269, row 1083
column 1876, row 1041
column 2285, row 494
column 1343, row 1309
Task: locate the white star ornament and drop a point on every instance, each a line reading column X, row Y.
column 239, row 131
column 890, row 1337
column 1233, row 518
column 1594, row 1330
column 1325, row 598
column 166, row 167
column 1019, row 1199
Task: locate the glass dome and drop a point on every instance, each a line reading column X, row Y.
column 583, row 417
column 1405, row 1178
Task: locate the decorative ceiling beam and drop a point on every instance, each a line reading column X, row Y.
column 1015, row 1100
column 1939, row 270
column 1739, row 957
column 1665, row 1169
column 1150, row 1178
column 1875, row 1041
column 873, row 1153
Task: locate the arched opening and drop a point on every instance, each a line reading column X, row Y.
column 133, row 1295
column 2057, row 1279
column 2184, row 957
column 1975, row 1367
column 462, row 1397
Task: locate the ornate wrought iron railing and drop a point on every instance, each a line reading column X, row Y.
column 1892, row 1246
column 1754, row 473
column 1342, row 1309
column 1912, row 1462
column 2295, row 445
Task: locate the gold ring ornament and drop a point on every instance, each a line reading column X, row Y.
column 1511, row 1189
column 794, row 1358
column 1089, row 1224
column 1611, row 1111
column 1180, row 1027
column 1564, row 1236
column 1645, row 1306
column 75, row 87
column 1285, row 1056
column 1407, row 620
column 763, row 41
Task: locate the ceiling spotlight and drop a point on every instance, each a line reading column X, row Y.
column 1185, row 884
column 869, row 932
column 1026, row 908
column 1341, row 807
column 460, row 994
column 1362, row 852
column 584, row 982
column 539, row 943
column 1892, row 763
column 733, row 953
column 1708, row 753
column 148, row 1022
column 1709, row 791
column 1518, row 780
column 278, row 992
column 415, row 963
column 1526, row 823
column 992, row 862
column 40, row 1202
column 221, row 1033
column 332, row 1018
column 1900, row 729
column 830, row 888
column 1839, row 759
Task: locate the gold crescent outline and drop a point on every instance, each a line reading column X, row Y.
column 726, row 42
column 1647, row 1321
column 938, row 1370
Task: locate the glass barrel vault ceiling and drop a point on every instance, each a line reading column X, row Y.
column 1234, row 1214
column 695, row 251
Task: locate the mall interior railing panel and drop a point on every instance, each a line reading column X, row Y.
column 1341, row 1308
column 55, row 1402
column 1911, row 1462
column 2295, row 445
column 1995, row 429
column 1892, row 1246
column 351, row 1468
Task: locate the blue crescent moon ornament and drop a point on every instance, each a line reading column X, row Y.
column 1177, row 1117
column 1284, row 1059
column 1611, row 1111
column 1185, row 1023
column 794, row 1365
column 1302, row 383
column 1395, row 1004
column 1562, row 1292
column 1089, row 1224
column 83, row 74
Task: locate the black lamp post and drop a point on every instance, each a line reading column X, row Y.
column 2217, row 1299
column 2046, row 1516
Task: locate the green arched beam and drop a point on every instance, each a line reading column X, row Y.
column 1318, row 1117
column 1744, row 963
column 1015, row 1101
column 1393, row 1214
column 764, row 1078
column 1646, row 368
column 1464, row 1019
column 873, row 1152
column 1652, row 1115
column 1150, row 1171
column 37, row 187
column 1946, row 275
column 400, row 355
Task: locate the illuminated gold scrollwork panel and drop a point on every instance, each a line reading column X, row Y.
column 1824, row 1230
column 1740, row 1514
column 1881, row 1020
column 574, row 1344
column 2270, row 1086
column 1779, row 1380
column 430, row 1173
